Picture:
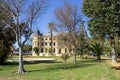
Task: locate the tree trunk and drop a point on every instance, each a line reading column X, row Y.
column 98, row 57
column 113, row 53
column 82, row 54
column 119, row 39
column 21, row 66
column 51, row 42
column 65, row 66
column 74, row 56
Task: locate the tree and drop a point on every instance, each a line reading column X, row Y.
column 64, row 42
column 51, row 27
column 82, row 41
column 117, row 47
column 7, row 38
column 65, row 56
column 36, row 49
column 5, row 44
column 105, row 19
column 27, row 48
column 97, row 49
column 68, row 20
column 23, row 19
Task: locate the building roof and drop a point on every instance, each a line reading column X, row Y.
column 37, row 32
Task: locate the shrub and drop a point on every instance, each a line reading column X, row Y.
column 65, row 56
column 36, row 49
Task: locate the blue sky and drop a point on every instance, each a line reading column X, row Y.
column 48, row 16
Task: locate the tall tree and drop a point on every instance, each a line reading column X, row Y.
column 82, row 41
column 69, row 18
column 7, row 38
column 51, row 28
column 23, row 19
column 105, row 19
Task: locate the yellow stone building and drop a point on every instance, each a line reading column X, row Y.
column 43, row 42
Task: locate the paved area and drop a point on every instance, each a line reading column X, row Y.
column 39, row 59
column 35, row 59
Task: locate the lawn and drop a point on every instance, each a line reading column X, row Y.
column 85, row 69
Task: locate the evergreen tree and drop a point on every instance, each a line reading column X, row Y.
column 104, row 19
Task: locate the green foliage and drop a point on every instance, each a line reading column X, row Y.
column 97, row 49
column 107, row 48
column 104, row 14
column 27, row 48
column 36, row 49
column 104, row 19
column 82, row 48
column 49, row 50
column 117, row 46
column 7, row 38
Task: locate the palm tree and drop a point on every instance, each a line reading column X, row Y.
column 51, row 27
column 97, row 48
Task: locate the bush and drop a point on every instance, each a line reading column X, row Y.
column 4, row 53
column 65, row 56
column 36, row 49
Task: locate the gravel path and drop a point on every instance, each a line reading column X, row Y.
column 35, row 59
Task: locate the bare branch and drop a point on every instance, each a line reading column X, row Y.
column 69, row 19
column 13, row 9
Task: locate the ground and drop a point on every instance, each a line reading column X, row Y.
column 85, row 69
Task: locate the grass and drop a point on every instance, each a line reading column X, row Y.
column 85, row 69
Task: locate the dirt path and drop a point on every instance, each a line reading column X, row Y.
column 3, row 78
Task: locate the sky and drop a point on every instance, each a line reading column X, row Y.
column 48, row 16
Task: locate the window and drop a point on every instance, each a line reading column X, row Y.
column 42, row 44
column 38, row 38
column 42, row 50
column 45, row 38
column 45, row 43
column 38, row 44
column 54, row 43
column 65, row 50
column 50, row 44
column 46, row 50
column 59, row 50
column 54, row 50
column 42, row 38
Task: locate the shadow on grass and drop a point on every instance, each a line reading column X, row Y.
column 116, row 68
column 58, row 65
column 61, row 67
column 10, row 63
column 28, row 62
column 92, row 60
column 38, row 62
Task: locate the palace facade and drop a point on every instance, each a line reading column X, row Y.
column 43, row 42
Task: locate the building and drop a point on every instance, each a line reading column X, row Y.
column 43, row 42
